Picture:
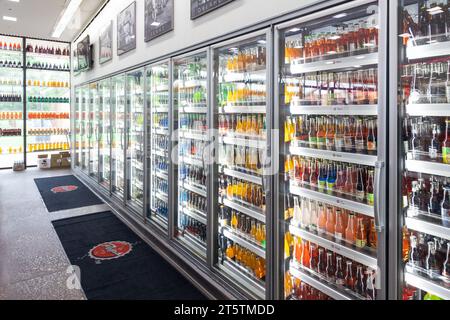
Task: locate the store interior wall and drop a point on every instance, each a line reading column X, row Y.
column 232, row 17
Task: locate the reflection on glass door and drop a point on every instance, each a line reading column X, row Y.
column 77, row 128
column 191, row 108
column 424, row 84
column 242, row 104
column 328, row 106
column 85, row 129
column 158, row 103
column 118, row 136
column 104, row 130
column 135, row 138
column 94, row 119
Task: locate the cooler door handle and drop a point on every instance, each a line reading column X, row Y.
column 379, row 221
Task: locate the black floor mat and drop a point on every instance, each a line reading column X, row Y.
column 116, row 264
column 65, row 192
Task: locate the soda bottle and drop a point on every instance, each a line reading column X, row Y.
column 359, row 283
column 330, row 134
column 306, row 256
column 322, row 221
column 359, row 138
column 446, row 266
column 361, row 237
column 322, row 262
column 331, row 221
column 330, row 269
column 312, row 134
column 349, row 279
column 373, row 234
column 339, row 136
column 339, row 229
column 360, row 191
column 431, row 262
column 434, row 145
column 314, row 256
column 445, row 207
column 369, row 189
column 370, row 286
column 414, row 258
column 339, row 275
column 350, row 235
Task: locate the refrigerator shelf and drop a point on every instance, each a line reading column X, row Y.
column 259, row 144
column 332, row 64
column 160, row 110
column 162, row 175
column 251, row 212
column 191, row 84
column 429, row 109
column 243, row 277
column 364, row 256
column 427, row 285
column 355, row 158
column 193, row 109
column 243, row 176
column 422, row 224
column 193, row 136
column 160, row 153
column 260, row 109
column 195, row 214
column 191, row 161
column 342, row 110
column 431, row 50
column 333, row 200
column 161, row 88
column 161, row 131
column 428, row 167
column 250, row 245
column 162, row 196
column 197, row 245
column 190, row 187
column 330, row 290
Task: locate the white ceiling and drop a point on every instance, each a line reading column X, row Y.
column 37, row 18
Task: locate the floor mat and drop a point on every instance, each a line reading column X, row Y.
column 65, row 192
column 116, row 264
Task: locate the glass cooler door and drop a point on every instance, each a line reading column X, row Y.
column 331, row 151
column 158, row 101
column 105, row 133
column 77, row 129
column 94, row 119
column 135, row 139
column 424, row 161
column 118, row 136
column 241, row 104
column 85, row 129
column 190, row 103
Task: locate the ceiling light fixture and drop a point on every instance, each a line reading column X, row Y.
column 13, row 19
column 66, row 17
column 155, row 24
column 14, row 0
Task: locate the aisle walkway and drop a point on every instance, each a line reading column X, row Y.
column 33, row 264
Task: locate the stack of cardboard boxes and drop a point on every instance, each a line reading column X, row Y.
column 58, row 160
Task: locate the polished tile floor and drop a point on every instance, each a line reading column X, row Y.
column 33, row 264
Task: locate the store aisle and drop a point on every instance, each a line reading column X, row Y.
column 33, row 264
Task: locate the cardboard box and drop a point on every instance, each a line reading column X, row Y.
column 44, row 163
column 55, row 161
column 64, row 154
column 65, row 163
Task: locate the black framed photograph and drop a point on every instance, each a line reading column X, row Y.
column 159, row 15
column 106, row 43
column 202, row 7
column 126, row 30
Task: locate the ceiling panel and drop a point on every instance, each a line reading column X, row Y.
column 37, row 18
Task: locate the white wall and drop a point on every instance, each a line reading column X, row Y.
column 232, row 17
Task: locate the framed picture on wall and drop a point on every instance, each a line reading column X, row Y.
column 202, row 7
column 126, row 29
column 105, row 44
column 158, row 18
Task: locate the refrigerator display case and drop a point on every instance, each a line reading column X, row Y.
column 158, row 102
column 11, row 101
column 239, row 206
column 331, row 112
column 84, row 128
column 118, row 136
column 423, row 196
column 93, row 133
column 77, row 128
column 104, row 136
column 48, row 98
column 134, row 143
column 190, row 109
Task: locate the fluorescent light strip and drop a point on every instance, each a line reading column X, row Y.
column 14, row 0
column 14, row 19
column 66, row 18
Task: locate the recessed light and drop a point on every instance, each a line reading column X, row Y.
column 66, row 17
column 14, row 0
column 294, row 30
column 14, row 19
column 340, row 15
column 155, row 24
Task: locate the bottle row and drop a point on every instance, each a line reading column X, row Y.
column 192, row 174
column 194, row 96
column 161, row 208
column 11, row 115
column 162, row 186
column 10, row 64
column 336, row 269
column 193, row 227
column 11, row 46
column 11, row 150
column 426, row 82
column 161, row 142
column 412, row 293
column 48, row 66
column 243, row 225
column 343, row 225
column 427, row 254
column 193, row 122
column 345, row 39
column 10, row 98
column 246, row 60
column 427, row 139
column 48, row 146
column 49, row 50
column 192, row 148
column 191, row 200
column 10, row 132
column 161, row 163
column 358, row 87
column 48, row 84
column 48, row 99
column 160, row 120
column 243, row 257
column 243, row 125
column 427, row 195
column 48, row 132
column 242, row 159
column 48, row 115
column 349, row 134
column 245, row 192
column 242, row 95
column 296, row 289
column 332, row 177
column 10, row 82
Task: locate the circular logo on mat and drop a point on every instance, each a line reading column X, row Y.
column 63, row 189
column 111, row 250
